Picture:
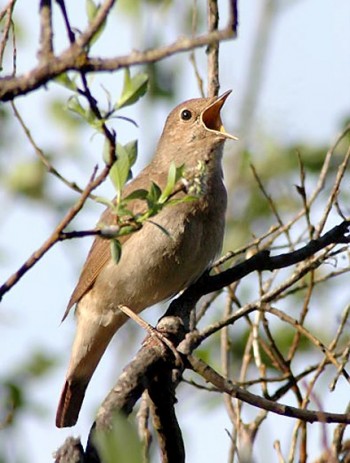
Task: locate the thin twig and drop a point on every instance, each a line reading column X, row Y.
column 101, row 16
column 54, row 237
column 40, row 153
column 152, row 331
column 209, row 374
column 334, row 193
column 346, row 352
column 46, row 47
column 296, row 339
column 302, row 191
column 266, row 298
column 263, row 261
column 213, row 50
column 293, row 322
column 192, row 53
column 272, row 205
column 70, row 33
column 317, row 190
column 8, row 10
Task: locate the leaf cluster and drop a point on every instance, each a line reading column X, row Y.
column 126, row 222
column 14, row 388
column 133, row 89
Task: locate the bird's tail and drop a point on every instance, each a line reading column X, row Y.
column 69, row 406
column 90, row 343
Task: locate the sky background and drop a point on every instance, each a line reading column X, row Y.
column 305, row 94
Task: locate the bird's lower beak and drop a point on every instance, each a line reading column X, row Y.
column 211, row 117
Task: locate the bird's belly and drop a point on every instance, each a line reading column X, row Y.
column 175, row 253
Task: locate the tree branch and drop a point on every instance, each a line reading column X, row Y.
column 74, row 58
column 5, row 33
column 103, row 11
column 210, row 375
column 46, row 47
column 213, row 50
column 162, row 394
column 263, row 261
column 152, row 360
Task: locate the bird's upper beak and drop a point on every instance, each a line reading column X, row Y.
column 211, row 119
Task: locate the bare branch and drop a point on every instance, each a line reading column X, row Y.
column 327, row 352
column 70, row 452
column 210, row 375
column 103, row 11
column 263, row 261
column 46, row 47
column 213, row 50
column 74, row 59
column 8, row 10
column 40, row 153
column 271, row 204
column 70, row 32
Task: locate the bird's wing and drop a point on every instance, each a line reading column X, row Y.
column 100, row 250
column 97, row 258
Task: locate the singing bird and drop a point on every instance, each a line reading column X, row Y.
column 156, row 261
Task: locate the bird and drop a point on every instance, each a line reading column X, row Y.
column 163, row 257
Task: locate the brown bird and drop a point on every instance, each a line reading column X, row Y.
column 154, row 264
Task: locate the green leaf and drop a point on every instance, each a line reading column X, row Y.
column 64, row 80
column 153, row 195
column 131, row 148
column 134, row 88
column 121, row 443
column 116, row 251
column 75, row 106
column 122, row 210
column 91, row 9
column 137, row 194
column 104, row 201
column 106, row 153
column 87, row 114
column 93, row 120
column 119, row 172
column 172, row 179
column 186, row 199
column 127, row 230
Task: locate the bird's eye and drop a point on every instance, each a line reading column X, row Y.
column 186, row 114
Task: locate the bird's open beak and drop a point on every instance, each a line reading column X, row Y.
column 211, row 119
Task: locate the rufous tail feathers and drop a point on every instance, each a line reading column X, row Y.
column 71, row 399
column 90, row 343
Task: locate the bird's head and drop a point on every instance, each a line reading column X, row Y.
column 193, row 127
